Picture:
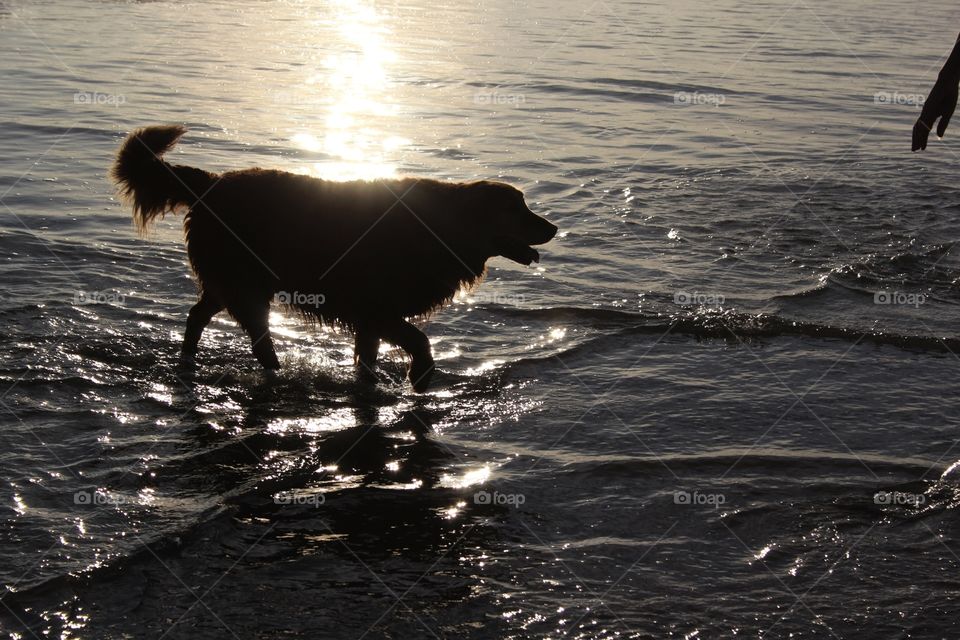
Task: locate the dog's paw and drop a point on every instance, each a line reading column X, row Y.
column 186, row 364
column 366, row 374
column 421, row 371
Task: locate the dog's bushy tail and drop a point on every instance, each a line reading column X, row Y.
column 149, row 183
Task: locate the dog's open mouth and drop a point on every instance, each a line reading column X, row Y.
column 517, row 250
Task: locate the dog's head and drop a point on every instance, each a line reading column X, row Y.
column 505, row 224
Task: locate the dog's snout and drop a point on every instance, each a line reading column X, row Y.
column 545, row 231
column 553, row 230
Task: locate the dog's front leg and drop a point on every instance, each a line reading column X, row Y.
column 366, row 347
column 414, row 342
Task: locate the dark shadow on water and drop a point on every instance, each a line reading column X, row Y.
column 321, row 485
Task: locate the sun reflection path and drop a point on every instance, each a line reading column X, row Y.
column 356, row 133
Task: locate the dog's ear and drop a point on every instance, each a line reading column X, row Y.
column 490, row 199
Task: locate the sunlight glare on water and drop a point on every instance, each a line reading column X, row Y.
column 468, row 479
column 355, row 138
column 598, row 456
column 332, row 421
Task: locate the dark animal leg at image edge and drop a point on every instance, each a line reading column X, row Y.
column 413, row 341
column 366, row 346
column 254, row 318
column 200, row 316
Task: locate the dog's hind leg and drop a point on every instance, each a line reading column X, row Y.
column 366, row 347
column 200, row 316
column 413, row 341
column 254, row 318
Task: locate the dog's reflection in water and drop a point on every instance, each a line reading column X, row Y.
column 271, row 461
column 382, row 481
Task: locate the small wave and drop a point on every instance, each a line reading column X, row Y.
column 32, row 130
column 728, row 324
column 922, row 270
column 804, row 293
column 622, row 89
column 745, row 461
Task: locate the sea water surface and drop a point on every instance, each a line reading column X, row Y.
column 723, row 405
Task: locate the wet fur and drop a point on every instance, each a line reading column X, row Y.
column 378, row 252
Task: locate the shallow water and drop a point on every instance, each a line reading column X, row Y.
column 722, row 405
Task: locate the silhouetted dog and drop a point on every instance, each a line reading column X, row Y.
column 365, row 255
